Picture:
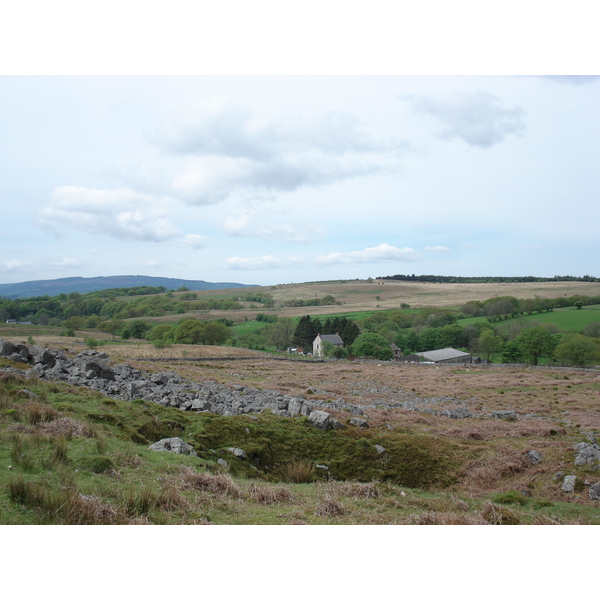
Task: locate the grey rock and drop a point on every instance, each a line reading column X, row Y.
column 595, row 491
column 335, row 424
column 569, row 483
column 295, row 406
column 534, row 457
column 319, row 419
column 504, row 414
column 380, row 449
column 238, row 452
column 358, row 422
column 175, row 445
column 223, row 463
column 7, row 348
column 587, row 454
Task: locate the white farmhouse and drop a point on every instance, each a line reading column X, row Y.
column 334, row 338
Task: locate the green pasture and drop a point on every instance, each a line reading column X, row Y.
column 566, row 319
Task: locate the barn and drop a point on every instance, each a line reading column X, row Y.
column 444, row 355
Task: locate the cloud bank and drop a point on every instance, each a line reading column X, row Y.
column 477, row 118
column 232, row 151
column 123, row 214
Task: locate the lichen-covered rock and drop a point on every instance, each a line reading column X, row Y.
column 504, row 414
column 238, row 452
column 358, row 422
column 319, row 419
column 175, row 445
column 569, row 483
column 595, row 491
column 534, row 457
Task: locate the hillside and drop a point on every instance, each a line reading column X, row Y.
column 412, row 444
column 83, row 285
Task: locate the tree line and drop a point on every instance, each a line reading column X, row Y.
column 485, row 279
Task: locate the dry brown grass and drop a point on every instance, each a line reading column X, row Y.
column 219, row 483
column 353, row 489
column 330, row 507
column 484, row 472
column 270, row 494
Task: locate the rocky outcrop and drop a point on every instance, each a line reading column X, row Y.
column 587, row 454
column 92, row 369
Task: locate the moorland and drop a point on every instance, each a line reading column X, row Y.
column 469, row 444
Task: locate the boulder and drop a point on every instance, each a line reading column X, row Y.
column 587, row 454
column 238, row 452
column 175, row 445
column 504, row 414
column 319, row 419
column 595, row 491
column 358, row 422
column 534, row 457
column 569, row 483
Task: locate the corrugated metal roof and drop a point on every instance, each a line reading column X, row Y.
column 443, row 354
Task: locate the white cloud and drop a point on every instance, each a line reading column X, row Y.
column 438, row 249
column 477, row 118
column 65, row 262
column 233, row 151
column 123, row 213
column 194, row 240
column 14, row 265
column 264, row 262
column 245, row 224
column 368, row 255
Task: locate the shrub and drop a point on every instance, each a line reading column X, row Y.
column 298, row 472
column 511, row 497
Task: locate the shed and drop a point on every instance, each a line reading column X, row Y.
column 445, row 355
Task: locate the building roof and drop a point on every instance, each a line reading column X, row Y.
column 334, row 338
column 443, row 354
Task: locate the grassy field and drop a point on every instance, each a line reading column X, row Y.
column 565, row 319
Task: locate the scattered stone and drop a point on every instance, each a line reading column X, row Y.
column 175, row 445
column 324, row 467
column 319, row 419
column 534, row 457
column 238, row 452
column 223, row 463
column 587, row 454
column 595, row 491
column 504, row 414
column 380, row 449
column 358, row 422
column 569, row 483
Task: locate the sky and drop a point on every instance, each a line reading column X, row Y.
column 293, row 177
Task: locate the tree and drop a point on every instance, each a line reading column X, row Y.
column 490, row 344
column 189, row 331
column 306, row 331
column 512, row 352
column 579, row 350
column 372, row 345
column 215, row 333
column 536, row 342
column 280, row 333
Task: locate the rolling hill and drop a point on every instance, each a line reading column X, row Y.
column 83, row 285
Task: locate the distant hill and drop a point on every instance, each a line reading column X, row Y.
column 83, row 285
